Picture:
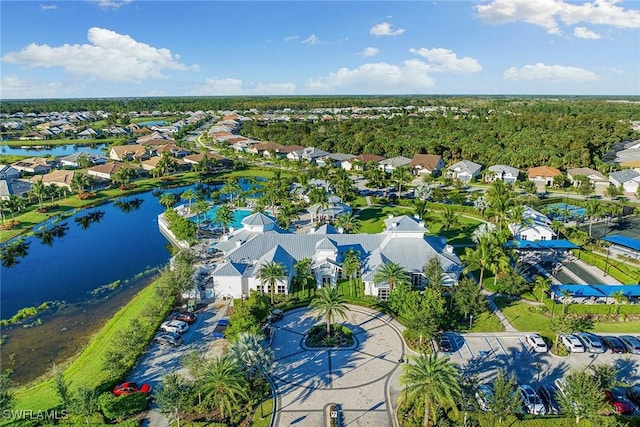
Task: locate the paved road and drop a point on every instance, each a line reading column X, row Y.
column 362, row 379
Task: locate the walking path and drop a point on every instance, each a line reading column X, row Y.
column 508, row 327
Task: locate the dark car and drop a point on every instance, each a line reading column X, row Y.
column 632, row 344
column 614, row 345
column 171, row 339
column 548, row 396
column 131, row 387
column 445, row 344
column 633, row 394
column 185, row 316
column 618, row 400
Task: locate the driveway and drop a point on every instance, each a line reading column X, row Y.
column 362, row 379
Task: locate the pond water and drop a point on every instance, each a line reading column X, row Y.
column 55, row 151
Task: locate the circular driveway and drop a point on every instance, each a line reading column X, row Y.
column 362, row 379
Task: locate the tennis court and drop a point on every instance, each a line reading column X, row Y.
column 564, row 212
column 627, row 226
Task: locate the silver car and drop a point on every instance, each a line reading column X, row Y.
column 632, row 344
column 531, row 401
column 591, row 342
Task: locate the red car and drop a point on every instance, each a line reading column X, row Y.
column 131, row 387
column 621, row 405
column 186, row 317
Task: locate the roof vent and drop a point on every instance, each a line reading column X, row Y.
column 448, row 249
column 390, row 216
column 394, row 224
column 341, row 230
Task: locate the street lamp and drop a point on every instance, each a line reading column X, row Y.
column 470, row 320
column 606, row 263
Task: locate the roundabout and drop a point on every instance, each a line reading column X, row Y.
column 361, row 378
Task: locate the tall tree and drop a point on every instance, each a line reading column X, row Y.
column 174, row 396
column 252, row 357
column 189, row 194
column 224, row 216
column 222, row 385
column 505, row 399
column 38, row 191
column 348, row 222
column 433, row 272
column 330, row 305
column 391, row 273
column 581, row 396
column 271, row 273
column 434, row 379
column 351, row 266
column 167, row 200
column 479, row 258
column 593, row 209
column 449, row 217
column 303, row 272
column 468, row 298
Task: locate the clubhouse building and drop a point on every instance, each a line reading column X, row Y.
column 260, row 241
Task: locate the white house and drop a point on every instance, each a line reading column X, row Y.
column 426, row 164
column 595, row 178
column 391, row 164
column 464, row 170
column 534, row 226
column 504, row 173
column 629, row 179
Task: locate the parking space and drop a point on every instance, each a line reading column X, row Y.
column 484, row 354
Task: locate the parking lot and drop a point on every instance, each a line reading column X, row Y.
column 484, row 354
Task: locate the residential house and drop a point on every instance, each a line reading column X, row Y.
column 9, row 172
column 33, row 165
column 150, row 139
column 543, row 175
column 14, row 187
column 220, row 162
column 391, row 164
column 58, row 177
column 628, row 179
column 260, row 240
column 309, row 154
column 265, row 149
column 504, row 173
column 129, row 152
column 87, row 134
column 426, row 164
column 74, row 160
column 464, row 171
column 335, row 159
column 596, row 179
column 108, row 170
column 359, row 162
column 173, row 149
column 285, row 150
column 534, row 226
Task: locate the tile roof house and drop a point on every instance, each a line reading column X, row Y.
column 594, row 177
column 628, row 179
column 389, row 165
column 266, row 149
column 59, row 177
column 426, row 164
column 220, row 162
column 506, row 174
column 34, row 165
column 108, row 170
column 87, row 134
column 403, row 241
column 543, row 175
column 129, row 152
column 464, row 170
column 14, row 187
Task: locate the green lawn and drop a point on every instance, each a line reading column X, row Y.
column 86, row 369
column 486, row 322
column 372, row 217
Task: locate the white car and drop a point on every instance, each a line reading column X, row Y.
column 483, row 396
column 572, row 343
column 532, row 402
column 537, row 343
column 177, row 326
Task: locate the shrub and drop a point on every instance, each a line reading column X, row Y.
column 412, row 337
column 119, row 407
column 340, row 336
column 87, row 195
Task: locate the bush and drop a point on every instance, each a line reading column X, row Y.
column 119, row 407
column 412, row 338
column 340, row 336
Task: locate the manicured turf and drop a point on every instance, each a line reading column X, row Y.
column 486, row 322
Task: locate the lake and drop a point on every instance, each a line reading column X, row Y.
column 54, row 151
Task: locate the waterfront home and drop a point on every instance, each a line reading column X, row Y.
column 129, row 152
column 88, row 133
column 628, row 179
column 14, row 187
column 9, row 172
column 74, row 160
column 543, row 175
column 260, row 240
column 108, row 171
column 464, row 170
column 360, row 162
column 596, row 179
column 59, row 177
column 173, row 149
column 504, row 173
column 217, row 161
column 426, row 164
column 33, row 165
column 155, row 138
column 391, row 164
column 534, row 225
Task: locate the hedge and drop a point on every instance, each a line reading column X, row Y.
column 119, row 407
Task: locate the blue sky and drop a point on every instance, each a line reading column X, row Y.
column 115, row 48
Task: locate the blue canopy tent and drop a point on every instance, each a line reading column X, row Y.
column 627, row 290
column 595, row 291
column 625, row 241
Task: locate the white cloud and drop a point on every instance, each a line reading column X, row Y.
column 381, row 77
column 111, row 4
column 48, row 7
column 384, row 29
column 232, row 86
column 540, row 71
column 444, row 60
column 16, row 87
column 584, row 33
column 549, row 13
column 110, row 56
column 289, row 38
column 370, row 51
column 312, row 40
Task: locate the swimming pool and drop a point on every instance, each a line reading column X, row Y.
column 238, row 216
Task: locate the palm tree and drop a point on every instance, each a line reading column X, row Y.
column 434, row 379
column 479, row 258
column 400, row 176
column 391, row 273
column 15, row 204
column 542, row 285
column 168, row 200
column 303, row 270
column 39, row 191
column 224, row 216
column 499, row 264
column 270, row 274
column 592, row 210
column 350, row 266
column 231, row 187
column 348, row 222
column 222, row 385
column 619, row 297
column 201, row 206
column 329, row 304
column 125, row 175
column 189, row 195
column 287, row 213
column 252, row 357
column 449, row 217
column 79, row 182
